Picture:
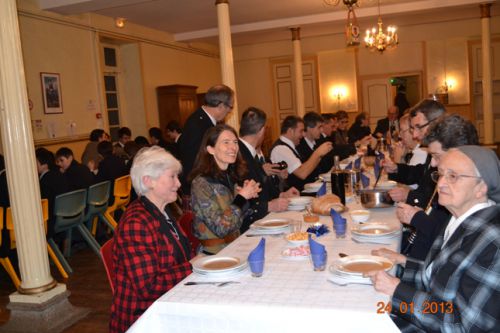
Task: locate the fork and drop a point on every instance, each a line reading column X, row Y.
column 217, row 283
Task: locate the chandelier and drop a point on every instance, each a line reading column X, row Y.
column 377, row 39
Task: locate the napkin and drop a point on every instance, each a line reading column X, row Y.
column 376, row 166
column 357, row 163
column 349, row 166
column 322, row 190
column 315, row 247
column 336, row 217
column 365, row 181
column 257, row 254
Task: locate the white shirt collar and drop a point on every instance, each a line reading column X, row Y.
column 455, row 222
column 310, row 143
column 210, row 116
column 288, row 142
column 249, row 147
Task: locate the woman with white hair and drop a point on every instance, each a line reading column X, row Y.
column 456, row 288
column 151, row 253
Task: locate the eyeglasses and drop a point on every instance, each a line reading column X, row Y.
column 228, row 105
column 451, row 177
column 421, row 127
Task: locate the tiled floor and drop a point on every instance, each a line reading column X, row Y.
column 88, row 286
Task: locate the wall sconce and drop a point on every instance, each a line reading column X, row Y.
column 338, row 92
column 120, row 22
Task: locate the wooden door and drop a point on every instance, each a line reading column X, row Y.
column 377, row 97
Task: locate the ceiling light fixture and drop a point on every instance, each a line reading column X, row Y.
column 377, row 40
column 120, row 22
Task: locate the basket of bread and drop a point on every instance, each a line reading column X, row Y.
column 323, row 204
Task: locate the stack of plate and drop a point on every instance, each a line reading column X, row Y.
column 219, row 266
column 270, row 226
column 350, row 269
column 299, row 203
column 376, row 232
column 312, row 187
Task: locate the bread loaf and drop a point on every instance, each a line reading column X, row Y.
column 322, row 205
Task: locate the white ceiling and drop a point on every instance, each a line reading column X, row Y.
column 264, row 20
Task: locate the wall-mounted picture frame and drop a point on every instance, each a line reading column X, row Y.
column 51, row 92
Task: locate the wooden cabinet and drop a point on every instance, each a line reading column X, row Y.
column 175, row 102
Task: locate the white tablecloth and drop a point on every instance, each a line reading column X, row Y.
column 289, row 297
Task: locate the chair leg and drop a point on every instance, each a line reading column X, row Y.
column 90, row 240
column 94, row 226
column 111, row 219
column 60, row 256
column 57, row 262
column 105, row 220
column 68, row 241
column 10, row 270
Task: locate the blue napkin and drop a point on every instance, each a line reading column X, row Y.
column 257, row 254
column 315, row 247
column 357, row 163
column 376, row 166
column 336, row 217
column 322, row 190
column 365, row 181
column 349, row 166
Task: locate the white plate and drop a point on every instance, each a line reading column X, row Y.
column 267, row 224
column 285, row 255
column 296, row 208
column 375, row 229
column 299, row 201
column 326, row 177
column 312, row 187
column 359, row 264
column 219, row 264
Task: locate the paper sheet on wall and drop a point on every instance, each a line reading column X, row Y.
column 51, row 130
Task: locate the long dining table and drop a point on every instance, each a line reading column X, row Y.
column 289, row 297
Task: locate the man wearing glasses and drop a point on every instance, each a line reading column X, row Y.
column 422, row 115
column 219, row 102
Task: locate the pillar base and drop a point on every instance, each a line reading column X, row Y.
column 44, row 314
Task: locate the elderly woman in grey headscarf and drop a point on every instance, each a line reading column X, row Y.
column 456, row 288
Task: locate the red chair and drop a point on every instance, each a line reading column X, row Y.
column 186, row 223
column 107, row 259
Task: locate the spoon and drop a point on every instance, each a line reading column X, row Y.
column 343, row 255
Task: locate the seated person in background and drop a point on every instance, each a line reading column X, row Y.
column 422, row 115
column 77, row 175
column 360, row 129
column 131, row 148
column 460, row 275
column 4, row 190
column 112, row 166
column 141, row 141
column 124, row 136
column 284, row 149
column 252, row 131
column 151, row 253
column 448, row 132
column 219, row 203
column 156, row 137
column 90, row 156
column 388, row 127
column 52, row 182
column 407, row 150
column 329, row 127
column 343, row 148
column 173, row 132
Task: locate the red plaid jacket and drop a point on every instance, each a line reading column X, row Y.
column 144, row 264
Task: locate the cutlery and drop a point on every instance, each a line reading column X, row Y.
column 272, row 235
column 343, row 255
column 217, row 283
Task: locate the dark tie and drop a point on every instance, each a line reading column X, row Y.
column 259, row 159
column 408, row 157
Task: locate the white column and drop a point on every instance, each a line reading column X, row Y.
column 299, row 82
column 488, row 118
column 15, row 126
column 226, row 57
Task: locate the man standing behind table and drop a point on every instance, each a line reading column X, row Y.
column 422, row 115
column 219, row 102
column 252, row 131
column 388, row 125
column 284, row 149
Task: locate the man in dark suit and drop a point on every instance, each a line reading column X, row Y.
column 173, row 132
column 77, row 175
column 252, row 130
column 313, row 124
column 219, row 102
column 421, row 116
column 388, row 124
column 52, row 182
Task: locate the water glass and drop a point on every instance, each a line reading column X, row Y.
column 296, row 226
column 256, row 267
column 340, row 229
column 319, row 261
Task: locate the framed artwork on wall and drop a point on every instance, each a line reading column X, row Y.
column 51, row 91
